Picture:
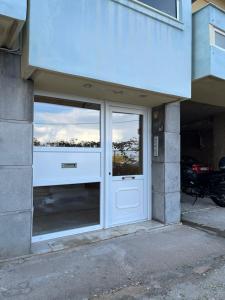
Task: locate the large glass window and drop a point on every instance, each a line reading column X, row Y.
column 64, row 207
column 127, row 144
column 63, row 123
column 167, row 6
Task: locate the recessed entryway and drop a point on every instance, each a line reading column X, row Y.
column 90, row 166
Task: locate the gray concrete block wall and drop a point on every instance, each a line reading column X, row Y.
column 16, row 115
column 166, row 166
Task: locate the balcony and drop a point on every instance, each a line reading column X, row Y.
column 114, row 49
column 209, row 56
column 12, row 19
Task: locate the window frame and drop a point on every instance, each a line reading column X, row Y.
column 155, row 14
column 212, row 31
column 61, row 234
column 162, row 12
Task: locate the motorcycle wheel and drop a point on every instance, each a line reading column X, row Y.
column 219, row 200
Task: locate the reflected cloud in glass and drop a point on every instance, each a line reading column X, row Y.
column 71, row 124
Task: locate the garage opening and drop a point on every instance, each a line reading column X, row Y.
column 202, row 147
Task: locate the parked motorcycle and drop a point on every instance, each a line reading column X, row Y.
column 201, row 181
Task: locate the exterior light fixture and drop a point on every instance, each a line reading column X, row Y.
column 87, row 85
column 118, row 92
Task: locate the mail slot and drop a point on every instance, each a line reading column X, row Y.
column 68, row 165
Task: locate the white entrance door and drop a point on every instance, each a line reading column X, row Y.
column 126, row 166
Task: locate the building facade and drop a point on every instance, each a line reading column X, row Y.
column 90, row 115
column 208, row 74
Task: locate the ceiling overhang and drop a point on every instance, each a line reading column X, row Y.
column 9, row 31
column 57, row 83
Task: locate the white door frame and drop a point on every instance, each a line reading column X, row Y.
column 146, row 112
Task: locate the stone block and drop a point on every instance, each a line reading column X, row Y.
column 15, row 189
column 16, row 99
column 172, row 208
column 158, row 206
column 9, row 65
column 15, row 144
column 158, row 177
column 172, row 147
column 172, row 177
column 15, row 234
column 172, row 117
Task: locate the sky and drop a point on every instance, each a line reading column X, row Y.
column 59, row 122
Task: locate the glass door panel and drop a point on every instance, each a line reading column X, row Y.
column 127, row 144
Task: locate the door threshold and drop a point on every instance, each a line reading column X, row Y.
column 93, row 237
column 64, row 233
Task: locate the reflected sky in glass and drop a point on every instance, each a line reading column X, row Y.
column 66, row 125
column 125, row 127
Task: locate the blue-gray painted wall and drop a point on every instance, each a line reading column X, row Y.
column 15, row 9
column 115, row 41
column 208, row 60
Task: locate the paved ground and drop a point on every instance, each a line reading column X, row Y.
column 201, row 204
column 93, row 237
column 204, row 215
column 202, row 283
column 176, row 262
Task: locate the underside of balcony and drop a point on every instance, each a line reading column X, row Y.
column 209, row 90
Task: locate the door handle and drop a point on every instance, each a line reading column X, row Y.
column 128, row 177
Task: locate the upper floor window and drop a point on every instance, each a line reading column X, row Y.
column 220, row 39
column 169, row 7
column 217, row 37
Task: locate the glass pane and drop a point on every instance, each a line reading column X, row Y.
column 219, row 40
column 63, row 207
column 127, row 144
column 70, row 124
column 167, row 6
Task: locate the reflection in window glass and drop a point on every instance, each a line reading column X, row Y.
column 127, row 144
column 219, row 40
column 68, row 124
column 167, row 6
column 64, row 207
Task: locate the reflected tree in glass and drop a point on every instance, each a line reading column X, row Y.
column 127, row 144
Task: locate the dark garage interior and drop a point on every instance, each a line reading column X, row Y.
column 203, row 140
column 203, row 132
